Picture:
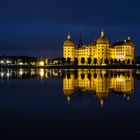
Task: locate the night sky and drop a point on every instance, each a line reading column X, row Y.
column 39, row 27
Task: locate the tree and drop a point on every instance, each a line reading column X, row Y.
column 59, row 61
column 106, row 75
column 63, row 75
column 95, row 75
column 89, row 76
column 75, row 61
column 82, row 60
column 123, row 62
column 68, row 75
column 111, row 74
column 68, row 60
column 115, row 61
column 89, row 60
column 128, row 62
column 119, row 62
column 52, row 61
column 95, row 61
column 75, row 75
column 106, row 61
column 63, row 60
column 82, row 76
column 101, row 61
column 133, row 62
column 111, row 61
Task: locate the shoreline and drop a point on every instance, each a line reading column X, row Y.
column 73, row 67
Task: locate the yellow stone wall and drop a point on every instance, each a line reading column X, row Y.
column 100, row 51
column 69, row 51
column 123, row 52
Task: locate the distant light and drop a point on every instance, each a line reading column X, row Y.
column 20, row 63
column 1, row 61
column 8, row 74
column 21, row 72
column 41, row 63
column 32, row 72
column 2, row 74
column 41, row 73
column 128, row 98
column 8, row 61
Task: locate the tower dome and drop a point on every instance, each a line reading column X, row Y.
column 69, row 41
column 102, row 96
column 68, row 94
column 102, row 39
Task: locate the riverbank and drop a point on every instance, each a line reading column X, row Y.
column 96, row 67
column 74, row 67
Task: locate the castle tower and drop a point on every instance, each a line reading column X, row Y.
column 68, row 48
column 68, row 87
column 102, row 48
column 102, row 90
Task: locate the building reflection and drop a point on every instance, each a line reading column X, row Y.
column 100, row 83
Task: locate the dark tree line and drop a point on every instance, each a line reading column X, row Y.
column 89, row 61
column 15, row 59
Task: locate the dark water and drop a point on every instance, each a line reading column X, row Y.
column 69, row 104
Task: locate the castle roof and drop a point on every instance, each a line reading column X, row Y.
column 125, row 42
column 69, row 41
column 102, row 39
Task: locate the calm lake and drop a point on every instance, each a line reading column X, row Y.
column 51, row 103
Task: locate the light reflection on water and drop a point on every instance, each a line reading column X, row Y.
column 96, row 82
column 54, row 101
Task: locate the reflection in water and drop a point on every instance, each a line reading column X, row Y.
column 22, row 73
column 100, row 83
column 41, row 73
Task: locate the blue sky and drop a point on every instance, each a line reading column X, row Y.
column 39, row 27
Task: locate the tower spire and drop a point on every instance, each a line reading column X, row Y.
column 68, row 99
column 69, row 37
column 80, row 44
column 102, row 103
column 129, row 38
column 102, row 33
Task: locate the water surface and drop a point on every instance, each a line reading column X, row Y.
column 42, row 103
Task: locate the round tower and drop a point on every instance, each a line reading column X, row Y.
column 68, row 48
column 102, row 48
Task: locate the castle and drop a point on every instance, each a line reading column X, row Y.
column 100, row 49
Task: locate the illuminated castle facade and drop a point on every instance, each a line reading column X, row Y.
column 100, row 50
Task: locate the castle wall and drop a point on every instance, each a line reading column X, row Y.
column 100, row 51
